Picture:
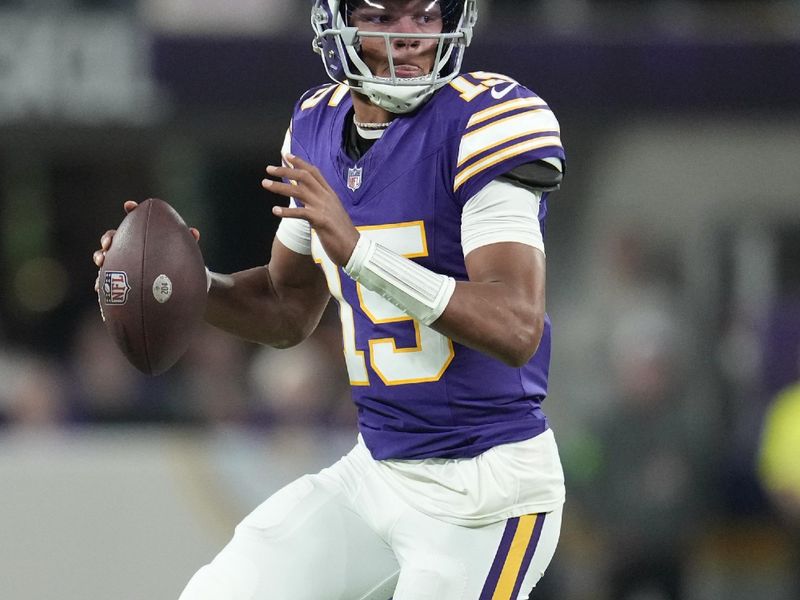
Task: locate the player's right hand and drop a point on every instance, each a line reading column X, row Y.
column 105, row 241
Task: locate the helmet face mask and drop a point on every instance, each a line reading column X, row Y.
column 349, row 32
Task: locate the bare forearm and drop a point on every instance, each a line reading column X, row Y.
column 499, row 310
column 250, row 306
column 490, row 318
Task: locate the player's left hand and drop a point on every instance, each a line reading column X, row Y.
column 321, row 206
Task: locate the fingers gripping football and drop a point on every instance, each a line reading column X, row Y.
column 321, row 206
column 99, row 256
column 105, row 240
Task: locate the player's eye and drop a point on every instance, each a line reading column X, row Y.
column 373, row 17
column 428, row 18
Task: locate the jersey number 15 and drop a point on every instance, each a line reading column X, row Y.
column 428, row 359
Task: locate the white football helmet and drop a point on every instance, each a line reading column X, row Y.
column 339, row 44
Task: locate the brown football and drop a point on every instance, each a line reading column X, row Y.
column 153, row 287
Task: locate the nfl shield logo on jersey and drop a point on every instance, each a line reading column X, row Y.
column 354, row 178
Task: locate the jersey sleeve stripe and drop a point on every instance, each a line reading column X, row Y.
column 504, row 154
column 317, row 96
column 341, row 91
column 504, row 107
column 505, row 130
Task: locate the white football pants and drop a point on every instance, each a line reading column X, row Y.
column 343, row 534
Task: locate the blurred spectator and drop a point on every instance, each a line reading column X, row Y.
column 779, row 454
column 31, row 391
column 220, row 380
column 764, row 363
column 638, row 487
column 103, row 387
column 779, row 467
column 779, row 450
column 209, row 386
column 302, row 385
column 648, row 492
column 781, row 343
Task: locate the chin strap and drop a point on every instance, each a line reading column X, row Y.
column 397, row 99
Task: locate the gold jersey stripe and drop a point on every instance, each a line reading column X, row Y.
column 504, row 130
column 338, row 95
column 317, row 97
column 516, row 554
column 504, row 154
column 504, row 107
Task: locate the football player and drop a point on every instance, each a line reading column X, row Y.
column 417, row 199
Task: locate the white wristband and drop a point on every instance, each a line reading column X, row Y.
column 208, row 280
column 417, row 291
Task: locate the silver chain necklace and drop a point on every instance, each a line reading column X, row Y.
column 371, row 125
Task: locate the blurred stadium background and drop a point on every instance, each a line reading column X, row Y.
column 674, row 288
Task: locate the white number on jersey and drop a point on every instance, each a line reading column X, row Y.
column 489, row 81
column 433, row 352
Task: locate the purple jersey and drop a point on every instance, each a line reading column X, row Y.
column 418, row 393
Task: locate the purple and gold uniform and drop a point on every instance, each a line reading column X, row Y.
column 454, row 489
column 418, row 393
